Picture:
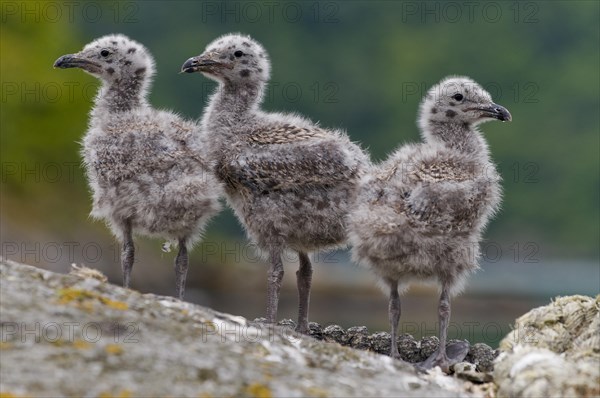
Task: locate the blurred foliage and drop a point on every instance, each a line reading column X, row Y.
column 361, row 65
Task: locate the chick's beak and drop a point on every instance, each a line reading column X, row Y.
column 66, row 61
column 73, row 61
column 202, row 63
column 190, row 66
column 497, row 112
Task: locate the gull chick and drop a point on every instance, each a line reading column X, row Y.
column 420, row 214
column 289, row 181
column 146, row 168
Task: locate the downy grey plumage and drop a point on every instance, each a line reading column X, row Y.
column 420, row 214
column 145, row 167
column 289, row 181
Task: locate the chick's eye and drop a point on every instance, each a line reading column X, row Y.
column 458, row 97
column 104, row 53
column 238, row 53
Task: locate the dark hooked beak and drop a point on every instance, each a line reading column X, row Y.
column 203, row 63
column 496, row 111
column 72, row 61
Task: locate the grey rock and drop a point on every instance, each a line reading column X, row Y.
column 287, row 323
column 410, row 349
column 380, row 342
column 358, row 337
column 483, row 356
column 468, row 371
column 315, row 330
column 554, row 350
column 428, row 346
column 335, row 333
column 115, row 341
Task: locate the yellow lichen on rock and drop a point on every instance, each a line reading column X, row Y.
column 258, row 390
column 317, row 392
column 5, row 345
column 69, row 295
column 86, row 299
column 121, row 394
column 117, row 305
column 114, row 349
column 81, row 344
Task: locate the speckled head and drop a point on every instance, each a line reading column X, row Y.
column 459, row 100
column 111, row 58
column 233, row 58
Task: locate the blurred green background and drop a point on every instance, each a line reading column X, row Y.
column 358, row 65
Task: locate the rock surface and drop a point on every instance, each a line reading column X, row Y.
column 64, row 335
column 554, row 351
column 76, row 335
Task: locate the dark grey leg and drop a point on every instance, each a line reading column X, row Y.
column 274, row 278
column 127, row 254
column 394, row 316
column 181, row 268
column 304, row 280
column 444, row 318
column 457, row 351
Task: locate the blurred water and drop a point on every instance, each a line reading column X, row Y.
column 536, row 279
column 543, row 279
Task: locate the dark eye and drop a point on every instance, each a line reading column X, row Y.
column 238, row 53
column 458, row 97
column 104, row 53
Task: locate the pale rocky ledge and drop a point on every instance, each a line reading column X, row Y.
column 68, row 335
